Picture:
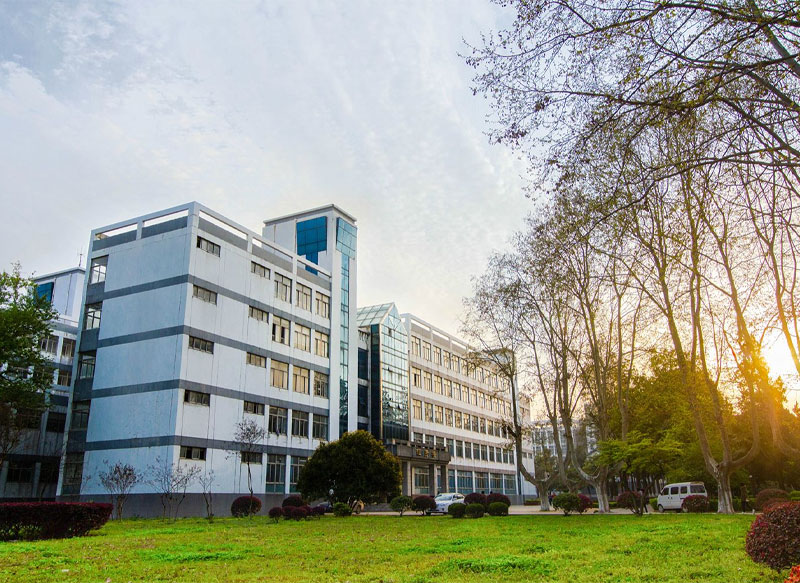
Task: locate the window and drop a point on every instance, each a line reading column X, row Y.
column 196, row 398
column 280, row 330
column 98, row 270
column 68, row 348
column 416, row 405
column 482, row 426
column 321, row 341
column 481, row 481
column 205, row 294
column 86, row 366
column 256, row 360
column 439, row 414
column 20, row 472
column 201, row 345
column 320, row 427
column 300, row 380
column 277, row 420
column 467, row 421
column 491, row 453
column 302, row 338
column 49, row 344
column 320, row 385
column 457, row 419
column 92, row 318
column 459, row 448
column 448, row 417
column 415, row 346
column 475, row 423
column 427, row 381
column 64, row 378
column 303, row 297
column 457, row 391
column 283, row 288
column 193, row 453
column 276, row 472
column 300, row 423
column 251, row 457
column 429, row 412
column 323, row 305
column 437, row 355
column 279, row 374
column 294, row 471
column 49, row 472
column 253, row 408
column 208, row 246
column 416, row 377
column 80, row 415
column 73, row 469
column 467, row 450
column 56, row 422
column 259, row 270
column 258, row 314
column 426, row 350
column 447, row 388
column 446, row 359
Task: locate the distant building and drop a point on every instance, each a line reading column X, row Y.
column 31, row 471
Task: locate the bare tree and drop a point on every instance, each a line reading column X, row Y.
column 206, row 482
column 248, row 437
column 118, row 482
column 170, row 483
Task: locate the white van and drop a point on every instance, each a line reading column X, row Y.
column 673, row 495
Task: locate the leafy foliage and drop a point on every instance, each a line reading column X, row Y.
column 495, row 497
column 118, row 482
column 774, row 536
column 400, row 504
column 43, row 520
column 695, row 504
column 276, row 513
column 766, row 498
column 794, row 575
column 356, row 466
column 457, row 509
column 475, row 498
column 293, row 500
column 474, row 510
column 584, row 503
column 498, row 509
column 245, row 506
column 423, row 504
column 297, row 512
column 567, row 502
column 630, row 500
column 341, row 509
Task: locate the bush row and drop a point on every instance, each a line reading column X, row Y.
column 43, row 520
column 291, row 512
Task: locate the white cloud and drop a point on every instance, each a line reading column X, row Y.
column 257, row 110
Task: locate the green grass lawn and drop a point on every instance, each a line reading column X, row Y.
column 570, row 549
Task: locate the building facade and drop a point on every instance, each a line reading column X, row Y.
column 31, row 470
column 191, row 325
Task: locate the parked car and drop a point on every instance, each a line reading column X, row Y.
column 673, row 495
column 443, row 501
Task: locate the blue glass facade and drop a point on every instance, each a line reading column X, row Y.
column 45, row 290
column 312, row 237
column 346, row 244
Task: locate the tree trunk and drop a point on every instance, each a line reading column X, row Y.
column 724, row 494
column 544, row 499
column 603, row 506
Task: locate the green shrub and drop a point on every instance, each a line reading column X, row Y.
column 695, row 503
column 474, row 510
column 567, row 502
column 342, row 509
column 498, row 509
column 774, row 537
column 498, row 498
column 457, row 510
column 770, row 496
column 794, row 495
column 654, row 503
column 532, row 502
column 400, row 504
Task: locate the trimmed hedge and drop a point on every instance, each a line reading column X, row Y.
column 695, row 503
column 475, row 498
column 774, row 536
column 474, row 510
column 567, row 503
column 318, row 511
column 584, row 503
column 245, row 506
column 293, row 500
column 498, row 509
column 423, row 503
column 296, row 512
column 341, row 509
column 532, row 502
column 42, row 520
column 276, row 513
column 400, row 504
column 770, row 496
column 498, row 498
column 457, row 510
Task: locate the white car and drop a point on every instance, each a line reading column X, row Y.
column 673, row 495
column 443, row 501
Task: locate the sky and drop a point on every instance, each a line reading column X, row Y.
column 259, row 109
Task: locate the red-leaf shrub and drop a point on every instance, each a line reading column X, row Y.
column 296, row 512
column 41, row 520
column 770, row 496
column 498, row 498
column 475, row 498
column 794, row 575
column 293, row 500
column 695, row 503
column 628, row 499
column 318, row 511
column 276, row 513
column 774, row 537
column 423, row 503
column 584, row 503
column 245, row 506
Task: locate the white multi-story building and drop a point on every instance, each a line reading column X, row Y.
column 192, row 324
column 31, row 470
